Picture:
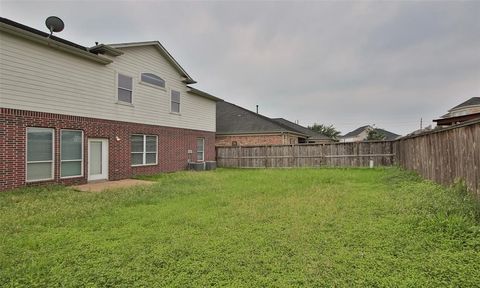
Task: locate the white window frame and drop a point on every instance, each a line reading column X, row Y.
column 203, row 151
column 118, row 87
column 50, row 161
column 144, row 153
column 179, row 103
column 152, row 85
column 74, row 160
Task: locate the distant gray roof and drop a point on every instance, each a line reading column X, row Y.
column 388, row 135
column 470, row 102
column 355, row 132
column 233, row 119
column 311, row 134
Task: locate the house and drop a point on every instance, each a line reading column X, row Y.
column 239, row 126
column 466, row 111
column 72, row 114
column 312, row 136
column 361, row 134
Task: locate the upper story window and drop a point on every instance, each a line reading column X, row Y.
column 125, row 88
column 175, row 101
column 153, row 79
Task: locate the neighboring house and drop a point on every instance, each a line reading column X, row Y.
column 72, row 114
column 466, row 111
column 237, row 126
column 361, row 134
column 312, row 136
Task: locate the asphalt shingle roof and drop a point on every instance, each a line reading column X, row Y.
column 304, row 130
column 470, row 102
column 388, row 135
column 233, row 119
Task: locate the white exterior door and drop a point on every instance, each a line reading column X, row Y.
column 97, row 159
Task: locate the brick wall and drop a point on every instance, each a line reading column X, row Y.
column 265, row 139
column 173, row 144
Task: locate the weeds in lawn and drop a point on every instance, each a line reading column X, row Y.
column 249, row 228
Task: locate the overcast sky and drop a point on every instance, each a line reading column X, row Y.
column 343, row 63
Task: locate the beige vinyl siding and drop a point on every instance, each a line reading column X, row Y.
column 38, row 78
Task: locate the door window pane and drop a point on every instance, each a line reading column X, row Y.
column 95, row 157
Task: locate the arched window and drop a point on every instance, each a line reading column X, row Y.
column 153, row 79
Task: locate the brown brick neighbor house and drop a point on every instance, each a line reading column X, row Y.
column 72, row 114
column 237, row 126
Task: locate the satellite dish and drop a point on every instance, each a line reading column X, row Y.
column 54, row 24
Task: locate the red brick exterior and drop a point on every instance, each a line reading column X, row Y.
column 256, row 139
column 173, row 145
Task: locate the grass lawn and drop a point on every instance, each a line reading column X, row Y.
column 244, row 228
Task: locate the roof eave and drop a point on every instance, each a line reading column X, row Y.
column 53, row 44
column 102, row 48
column 203, row 94
column 259, row 133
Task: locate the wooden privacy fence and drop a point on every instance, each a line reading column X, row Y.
column 444, row 155
column 307, row 155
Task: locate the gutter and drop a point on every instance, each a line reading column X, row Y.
column 53, row 44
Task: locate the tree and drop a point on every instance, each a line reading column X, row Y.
column 374, row 134
column 328, row 131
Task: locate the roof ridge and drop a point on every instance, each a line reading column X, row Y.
column 265, row 118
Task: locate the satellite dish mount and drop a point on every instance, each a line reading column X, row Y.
column 54, row 24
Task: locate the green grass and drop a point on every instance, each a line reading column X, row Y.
column 244, row 228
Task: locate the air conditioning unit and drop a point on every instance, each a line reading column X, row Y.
column 196, row 166
column 210, row 165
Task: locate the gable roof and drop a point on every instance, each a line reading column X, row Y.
column 388, row 135
column 470, row 102
column 355, row 132
column 233, row 119
column 163, row 51
column 309, row 132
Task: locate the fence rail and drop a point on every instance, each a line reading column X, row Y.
column 311, row 155
column 442, row 155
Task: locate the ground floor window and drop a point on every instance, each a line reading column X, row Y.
column 144, row 150
column 40, row 154
column 200, row 149
column 71, row 153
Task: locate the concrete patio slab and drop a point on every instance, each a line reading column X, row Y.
column 107, row 185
